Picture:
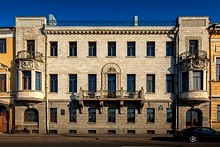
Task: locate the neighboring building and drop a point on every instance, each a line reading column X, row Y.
column 111, row 79
column 7, row 77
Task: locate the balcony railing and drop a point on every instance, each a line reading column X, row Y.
column 197, row 54
column 29, row 55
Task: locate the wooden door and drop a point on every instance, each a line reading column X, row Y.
column 3, row 122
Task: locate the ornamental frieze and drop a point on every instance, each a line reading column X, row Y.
column 194, row 64
column 30, row 65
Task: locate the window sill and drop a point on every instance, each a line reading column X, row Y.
column 110, row 56
column 130, row 56
column 150, row 56
column 53, row 122
column 111, row 123
column 30, row 123
column 72, row 123
column 169, row 56
column 71, row 56
column 150, row 122
column 150, row 93
column 52, row 56
column 53, row 93
column 91, row 122
column 215, row 81
column 91, row 56
column 130, row 123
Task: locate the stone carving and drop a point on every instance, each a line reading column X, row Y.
column 26, row 65
column 194, row 64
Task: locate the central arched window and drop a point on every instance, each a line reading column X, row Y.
column 31, row 115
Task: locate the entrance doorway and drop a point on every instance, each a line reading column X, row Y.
column 193, row 118
column 3, row 119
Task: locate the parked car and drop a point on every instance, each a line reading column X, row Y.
column 194, row 134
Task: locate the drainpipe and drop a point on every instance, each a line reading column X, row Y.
column 210, row 74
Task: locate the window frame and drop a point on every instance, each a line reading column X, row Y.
column 150, row 49
column 53, row 114
column 150, row 115
column 92, row 80
column 53, row 48
column 92, row 115
column 169, row 115
column 26, row 80
column 193, row 45
column 131, row 82
column 111, row 115
column 112, row 49
column 73, row 49
column 150, row 83
column 72, row 115
column 73, row 83
column 217, row 69
column 170, row 48
column 38, row 81
column 198, row 80
column 170, row 83
column 3, row 82
column 218, row 113
column 3, row 46
column 131, row 115
column 131, row 48
column 53, row 83
column 92, row 49
column 31, row 115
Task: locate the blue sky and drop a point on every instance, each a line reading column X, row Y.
column 108, row 9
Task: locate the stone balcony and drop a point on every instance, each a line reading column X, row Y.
column 29, row 55
column 194, row 97
column 30, row 96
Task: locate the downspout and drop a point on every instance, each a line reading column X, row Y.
column 210, row 74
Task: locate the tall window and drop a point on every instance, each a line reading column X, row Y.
column 131, row 83
column 130, row 115
column 169, row 115
column 218, row 113
column 31, row 115
column 2, row 45
column 53, row 48
column 150, row 115
column 92, row 48
column 193, row 46
column 38, row 81
column 73, row 83
column 217, row 69
column 53, row 114
column 30, row 46
column 2, row 82
column 197, row 80
column 72, row 114
column 72, row 48
column 92, row 83
column 150, row 83
column 150, row 48
column 92, row 115
column 111, row 115
column 170, row 83
column 111, row 48
column 130, row 48
column 170, row 48
column 185, row 81
column 53, row 83
column 26, row 80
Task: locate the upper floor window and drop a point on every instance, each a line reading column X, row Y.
column 30, row 46
column 26, row 80
column 185, row 81
column 72, row 48
column 169, row 115
column 197, row 80
column 72, row 115
column 170, row 48
column 150, row 48
column 92, row 83
column 150, row 83
column 193, row 46
column 53, row 114
column 92, row 48
column 92, row 115
column 53, row 83
column 31, row 115
column 130, row 115
column 2, row 45
column 218, row 113
column 111, row 115
column 131, row 83
column 38, row 81
column 73, row 83
column 169, row 83
column 217, row 69
column 150, row 115
column 2, row 82
column 130, row 48
column 53, row 48
column 111, row 48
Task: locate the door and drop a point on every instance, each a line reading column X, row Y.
column 111, row 85
column 193, row 118
column 3, row 119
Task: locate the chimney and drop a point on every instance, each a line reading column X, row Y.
column 135, row 20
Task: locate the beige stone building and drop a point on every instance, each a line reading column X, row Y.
column 111, row 79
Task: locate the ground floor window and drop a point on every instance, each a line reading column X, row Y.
column 31, row 115
column 53, row 114
column 92, row 115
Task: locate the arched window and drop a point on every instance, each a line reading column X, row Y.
column 31, row 115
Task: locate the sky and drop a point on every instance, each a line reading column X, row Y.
column 118, row 10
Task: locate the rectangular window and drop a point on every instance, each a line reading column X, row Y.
column 53, row 114
column 111, row 115
column 111, row 48
column 150, row 115
column 31, row 48
column 53, row 48
column 197, row 80
column 26, row 80
column 218, row 113
column 72, row 112
column 150, row 83
column 185, row 81
column 130, row 48
column 73, row 83
column 92, row 115
column 2, row 82
column 38, row 81
column 170, row 83
column 92, row 48
column 72, row 48
column 217, row 69
column 169, row 115
column 170, row 48
column 150, row 48
column 131, row 115
column 131, row 83
column 92, row 83
column 53, row 83
column 193, row 46
column 2, row 45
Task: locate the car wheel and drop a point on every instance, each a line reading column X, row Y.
column 193, row 138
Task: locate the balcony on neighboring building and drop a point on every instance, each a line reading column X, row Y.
column 30, row 96
column 29, row 55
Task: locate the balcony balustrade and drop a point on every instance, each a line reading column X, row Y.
column 29, row 55
column 197, row 54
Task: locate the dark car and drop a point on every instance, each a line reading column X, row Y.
column 194, row 134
